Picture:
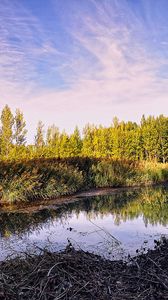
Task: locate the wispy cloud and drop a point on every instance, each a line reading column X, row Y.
column 125, row 71
column 117, row 68
column 110, row 70
column 24, row 46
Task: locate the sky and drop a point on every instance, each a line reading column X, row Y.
column 73, row 62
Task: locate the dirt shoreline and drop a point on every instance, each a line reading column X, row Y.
column 42, row 204
column 80, row 275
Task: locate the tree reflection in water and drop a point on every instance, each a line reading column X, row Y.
column 150, row 203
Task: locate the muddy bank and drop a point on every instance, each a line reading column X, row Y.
column 56, row 202
column 80, row 275
column 41, row 204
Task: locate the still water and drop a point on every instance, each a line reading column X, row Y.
column 110, row 225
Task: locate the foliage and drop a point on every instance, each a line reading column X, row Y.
column 112, row 173
column 123, row 154
column 29, row 180
column 7, row 121
column 39, row 138
column 19, row 128
column 147, row 141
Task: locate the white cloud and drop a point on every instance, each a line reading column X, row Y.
column 110, row 72
column 24, row 44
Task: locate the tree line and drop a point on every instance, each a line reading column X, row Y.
column 121, row 140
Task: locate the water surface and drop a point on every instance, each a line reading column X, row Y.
column 111, row 225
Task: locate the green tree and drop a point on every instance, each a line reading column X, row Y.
column 162, row 127
column 19, row 128
column 39, row 137
column 64, row 145
column 88, row 136
column 75, row 143
column 117, row 139
column 7, row 121
column 52, row 141
column 150, row 137
column 132, row 141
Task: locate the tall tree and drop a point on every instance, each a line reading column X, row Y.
column 162, row 127
column 75, row 143
column 39, row 137
column 88, row 136
column 150, row 136
column 64, row 145
column 7, row 121
column 53, row 141
column 19, row 128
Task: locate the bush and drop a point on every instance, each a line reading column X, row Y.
column 111, row 173
column 41, row 179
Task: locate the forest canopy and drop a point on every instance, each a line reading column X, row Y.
column 120, row 140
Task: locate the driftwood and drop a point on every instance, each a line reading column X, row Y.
column 80, row 275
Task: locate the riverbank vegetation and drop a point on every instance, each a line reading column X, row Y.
column 81, row 275
column 57, row 164
column 48, row 178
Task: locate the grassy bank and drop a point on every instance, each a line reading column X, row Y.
column 79, row 275
column 49, row 178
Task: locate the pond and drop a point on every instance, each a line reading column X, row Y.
column 112, row 225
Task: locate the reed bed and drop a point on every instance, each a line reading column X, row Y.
column 51, row 178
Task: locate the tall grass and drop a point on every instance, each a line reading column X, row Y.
column 48, row 178
column 28, row 181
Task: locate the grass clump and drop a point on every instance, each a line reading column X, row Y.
column 27, row 181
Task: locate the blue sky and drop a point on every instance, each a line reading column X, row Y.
column 70, row 62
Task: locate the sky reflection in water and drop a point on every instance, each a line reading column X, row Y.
column 134, row 218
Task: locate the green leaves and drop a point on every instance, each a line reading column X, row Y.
column 19, row 128
column 7, row 121
column 121, row 141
